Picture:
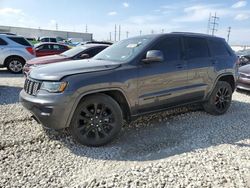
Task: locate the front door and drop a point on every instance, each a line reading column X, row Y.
column 162, row 84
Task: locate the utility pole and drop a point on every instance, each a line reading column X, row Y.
column 215, row 23
column 56, row 26
column 162, row 31
column 228, row 34
column 127, row 33
column 119, row 32
column 115, row 33
column 152, row 32
column 86, row 28
column 209, row 22
column 110, row 36
column 140, row 32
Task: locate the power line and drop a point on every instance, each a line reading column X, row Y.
column 228, row 34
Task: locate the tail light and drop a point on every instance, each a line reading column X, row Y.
column 30, row 50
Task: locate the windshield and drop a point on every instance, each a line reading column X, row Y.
column 74, row 51
column 124, row 50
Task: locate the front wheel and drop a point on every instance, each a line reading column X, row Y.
column 15, row 65
column 97, row 120
column 220, row 99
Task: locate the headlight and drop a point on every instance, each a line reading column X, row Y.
column 54, row 87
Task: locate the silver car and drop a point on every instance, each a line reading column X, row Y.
column 14, row 52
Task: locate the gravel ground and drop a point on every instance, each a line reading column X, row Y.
column 184, row 147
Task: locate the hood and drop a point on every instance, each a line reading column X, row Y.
column 57, row 71
column 47, row 59
column 245, row 69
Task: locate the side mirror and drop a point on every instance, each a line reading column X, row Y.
column 154, row 56
column 84, row 56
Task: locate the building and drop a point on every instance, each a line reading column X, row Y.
column 36, row 33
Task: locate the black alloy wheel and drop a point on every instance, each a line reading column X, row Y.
column 220, row 99
column 97, row 120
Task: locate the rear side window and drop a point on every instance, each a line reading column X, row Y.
column 53, row 40
column 218, row 48
column 20, row 41
column 56, row 47
column 196, row 47
column 3, row 42
column 170, row 48
column 94, row 51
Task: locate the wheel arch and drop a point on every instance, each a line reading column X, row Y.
column 115, row 93
column 12, row 56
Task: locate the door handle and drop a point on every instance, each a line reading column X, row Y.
column 214, row 61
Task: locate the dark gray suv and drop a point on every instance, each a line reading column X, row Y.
column 132, row 77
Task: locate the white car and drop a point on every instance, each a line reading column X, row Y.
column 14, row 52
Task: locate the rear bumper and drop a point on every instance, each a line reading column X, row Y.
column 52, row 112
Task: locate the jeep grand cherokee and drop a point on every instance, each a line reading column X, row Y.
column 132, row 77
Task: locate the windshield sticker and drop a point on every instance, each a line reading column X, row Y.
column 134, row 45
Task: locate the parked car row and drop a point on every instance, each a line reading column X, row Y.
column 16, row 51
column 135, row 76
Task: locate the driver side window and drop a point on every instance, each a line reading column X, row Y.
column 170, row 47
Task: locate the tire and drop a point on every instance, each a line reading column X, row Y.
column 15, row 65
column 97, row 120
column 220, row 99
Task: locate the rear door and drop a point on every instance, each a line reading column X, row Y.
column 43, row 50
column 162, row 84
column 4, row 50
column 200, row 66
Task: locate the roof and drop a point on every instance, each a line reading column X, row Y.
column 95, row 45
column 41, row 43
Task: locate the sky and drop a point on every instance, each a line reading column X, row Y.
column 134, row 16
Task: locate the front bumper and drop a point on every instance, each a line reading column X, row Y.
column 51, row 111
column 243, row 83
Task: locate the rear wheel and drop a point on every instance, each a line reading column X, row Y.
column 220, row 99
column 97, row 120
column 15, row 64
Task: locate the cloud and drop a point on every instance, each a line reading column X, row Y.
column 198, row 13
column 239, row 4
column 112, row 13
column 241, row 17
column 10, row 11
column 125, row 4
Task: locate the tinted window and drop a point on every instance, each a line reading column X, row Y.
column 2, row 42
column 56, row 47
column 53, row 40
column 44, row 47
column 170, row 48
column 218, row 48
column 94, row 51
column 196, row 47
column 20, row 40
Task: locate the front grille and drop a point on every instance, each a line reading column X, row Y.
column 32, row 86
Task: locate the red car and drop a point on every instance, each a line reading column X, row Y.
column 76, row 53
column 48, row 48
